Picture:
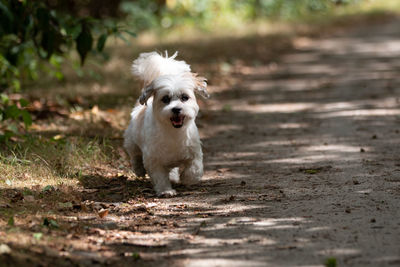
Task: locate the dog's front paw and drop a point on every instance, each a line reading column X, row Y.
column 167, row 193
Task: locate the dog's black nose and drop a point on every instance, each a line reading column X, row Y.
column 176, row 110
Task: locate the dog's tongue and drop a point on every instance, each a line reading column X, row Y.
column 177, row 121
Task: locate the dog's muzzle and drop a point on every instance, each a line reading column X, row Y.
column 177, row 120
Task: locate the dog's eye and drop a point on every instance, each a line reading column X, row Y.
column 165, row 99
column 184, row 97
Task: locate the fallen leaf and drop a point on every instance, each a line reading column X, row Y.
column 103, row 213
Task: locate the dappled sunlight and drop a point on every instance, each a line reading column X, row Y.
column 339, row 252
column 318, row 228
column 276, row 143
column 361, row 113
column 290, row 125
column 307, row 159
column 334, row 148
column 273, row 108
column 218, row 129
column 301, row 160
column 389, row 47
column 365, row 191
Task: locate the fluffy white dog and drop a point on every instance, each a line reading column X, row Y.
column 162, row 138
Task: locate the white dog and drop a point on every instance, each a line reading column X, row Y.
column 162, row 138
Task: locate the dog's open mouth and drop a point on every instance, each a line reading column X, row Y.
column 177, row 121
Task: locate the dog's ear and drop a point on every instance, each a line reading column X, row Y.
column 201, row 86
column 147, row 92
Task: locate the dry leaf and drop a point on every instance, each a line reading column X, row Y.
column 103, row 213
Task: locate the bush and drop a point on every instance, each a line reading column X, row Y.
column 32, row 33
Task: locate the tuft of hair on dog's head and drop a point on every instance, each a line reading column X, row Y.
column 148, row 67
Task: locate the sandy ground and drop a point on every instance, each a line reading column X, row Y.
column 302, row 164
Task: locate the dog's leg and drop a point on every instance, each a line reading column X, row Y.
column 137, row 166
column 136, row 160
column 174, row 175
column 160, row 178
column 193, row 170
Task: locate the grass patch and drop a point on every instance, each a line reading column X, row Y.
column 49, row 161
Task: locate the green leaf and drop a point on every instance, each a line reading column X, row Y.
column 12, row 112
column 4, row 98
column 84, row 42
column 50, row 223
column 101, row 42
column 330, row 262
column 53, row 223
column 16, row 84
column 48, row 188
column 59, row 75
column 130, row 33
column 13, row 129
column 136, row 256
column 26, row 117
column 11, row 221
column 23, row 102
column 122, row 37
column 74, row 30
column 37, row 236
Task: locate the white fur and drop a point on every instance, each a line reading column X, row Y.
column 149, row 66
column 153, row 143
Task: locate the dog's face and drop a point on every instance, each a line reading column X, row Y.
column 175, row 105
column 174, row 102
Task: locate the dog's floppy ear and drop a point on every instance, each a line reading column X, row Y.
column 147, row 92
column 201, row 86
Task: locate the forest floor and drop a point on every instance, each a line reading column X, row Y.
column 301, row 142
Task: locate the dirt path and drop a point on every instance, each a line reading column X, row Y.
column 302, row 161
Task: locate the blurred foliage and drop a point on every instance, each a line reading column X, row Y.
column 37, row 36
column 33, row 40
column 206, row 14
column 12, row 112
